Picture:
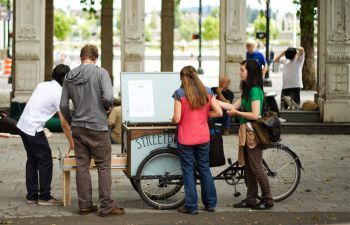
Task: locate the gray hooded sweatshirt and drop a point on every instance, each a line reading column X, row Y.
column 90, row 89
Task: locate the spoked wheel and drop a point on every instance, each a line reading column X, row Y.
column 159, row 180
column 283, row 170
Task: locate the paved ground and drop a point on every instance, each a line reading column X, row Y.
column 324, row 187
column 323, row 196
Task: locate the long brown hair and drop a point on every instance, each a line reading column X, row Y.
column 195, row 91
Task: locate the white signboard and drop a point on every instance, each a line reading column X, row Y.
column 141, row 98
column 147, row 97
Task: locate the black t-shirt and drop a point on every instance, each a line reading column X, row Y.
column 227, row 94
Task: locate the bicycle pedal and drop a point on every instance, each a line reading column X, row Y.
column 237, row 194
column 229, row 160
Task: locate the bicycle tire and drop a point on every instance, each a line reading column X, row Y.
column 284, row 171
column 159, row 180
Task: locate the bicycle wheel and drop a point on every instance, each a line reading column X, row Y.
column 159, row 180
column 283, row 170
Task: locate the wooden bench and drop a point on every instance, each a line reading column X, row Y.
column 68, row 164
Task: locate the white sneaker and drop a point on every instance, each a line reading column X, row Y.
column 282, row 120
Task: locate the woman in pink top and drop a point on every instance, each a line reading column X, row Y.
column 191, row 111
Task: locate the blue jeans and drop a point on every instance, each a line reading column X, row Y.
column 191, row 156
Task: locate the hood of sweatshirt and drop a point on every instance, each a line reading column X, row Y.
column 81, row 74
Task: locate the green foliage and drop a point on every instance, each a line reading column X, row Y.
column 148, row 33
column 187, row 28
column 178, row 16
column 311, row 5
column 154, row 19
column 86, row 27
column 260, row 26
column 4, row 3
column 215, row 12
column 309, row 12
column 62, row 25
column 119, row 22
column 88, row 6
column 252, row 14
column 210, row 28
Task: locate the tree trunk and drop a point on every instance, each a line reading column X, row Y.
column 167, row 35
column 307, row 42
column 107, row 37
column 49, row 31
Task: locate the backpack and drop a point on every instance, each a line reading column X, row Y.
column 268, row 128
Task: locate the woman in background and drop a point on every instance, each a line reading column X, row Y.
column 191, row 111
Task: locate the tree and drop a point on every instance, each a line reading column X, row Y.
column 178, row 16
column 211, row 28
column 86, row 28
column 187, row 28
column 215, row 12
column 148, row 33
column 119, row 22
column 307, row 13
column 154, row 20
column 89, row 6
column 62, row 25
column 252, row 14
column 260, row 26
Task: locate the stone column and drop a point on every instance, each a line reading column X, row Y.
column 49, row 31
column 132, row 35
column 167, row 33
column 107, row 37
column 30, row 47
column 334, row 60
column 232, row 39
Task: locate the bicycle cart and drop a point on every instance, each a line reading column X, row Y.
column 149, row 156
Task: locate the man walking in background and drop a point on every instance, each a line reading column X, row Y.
column 89, row 88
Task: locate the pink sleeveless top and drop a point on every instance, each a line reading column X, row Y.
column 193, row 127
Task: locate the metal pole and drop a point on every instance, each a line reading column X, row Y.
column 200, row 69
column 8, row 28
column 267, row 81
column 4, row 33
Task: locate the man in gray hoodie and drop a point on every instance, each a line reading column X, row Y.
column 90, row 89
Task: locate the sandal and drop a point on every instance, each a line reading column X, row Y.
column 242, row 204
column 262, row 205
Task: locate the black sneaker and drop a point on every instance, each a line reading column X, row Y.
column 262, row 205
column 242, row 204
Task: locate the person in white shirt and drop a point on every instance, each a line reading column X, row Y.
column 41, row 106
column 293, row 62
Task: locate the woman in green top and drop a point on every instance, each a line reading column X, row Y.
column 251, row 105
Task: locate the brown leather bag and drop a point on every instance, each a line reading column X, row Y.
column 267, row 128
